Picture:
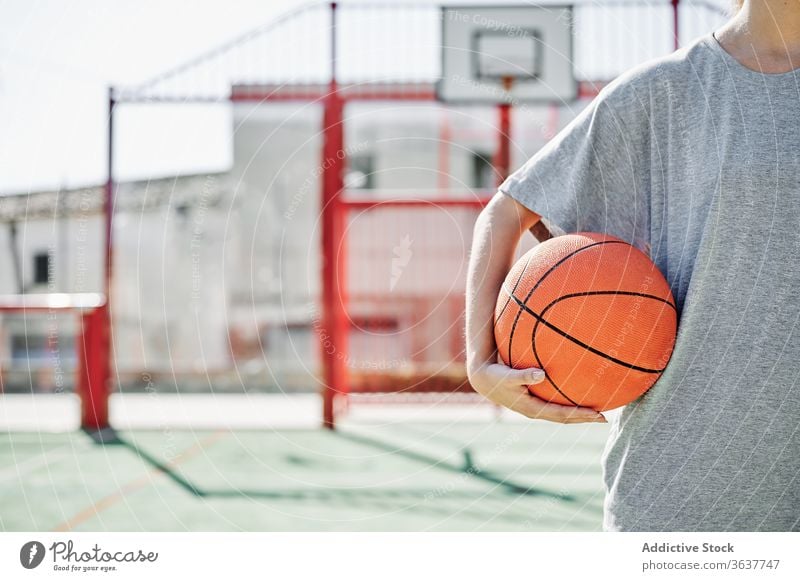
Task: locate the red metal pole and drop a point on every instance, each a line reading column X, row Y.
column 93, row 366
column 334, row 332
column 551, row 129
column 95, row 340
column 675, row 23
column 443, row 175
column 502, row 158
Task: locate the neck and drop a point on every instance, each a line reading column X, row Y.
column 764, row 35
column 775, row 23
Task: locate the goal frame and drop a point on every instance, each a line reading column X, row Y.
column 333, row 98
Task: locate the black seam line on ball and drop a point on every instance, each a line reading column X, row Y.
column 577, row 341
column 508, row 300
column 581, row 294
column 541, row 279
column 609, row 292
column 540, row 366
column 550, row 379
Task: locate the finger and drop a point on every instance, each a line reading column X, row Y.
column 564, row 414
column 599, row 420
column 530, row 376
column 583, row 417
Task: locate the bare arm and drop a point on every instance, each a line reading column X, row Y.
column 497, row 233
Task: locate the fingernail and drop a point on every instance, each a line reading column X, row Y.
column 537, row 375
column 601, row 419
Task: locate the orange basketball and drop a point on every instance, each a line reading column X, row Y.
column 594, row 313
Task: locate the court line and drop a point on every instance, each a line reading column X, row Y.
column 138, row 484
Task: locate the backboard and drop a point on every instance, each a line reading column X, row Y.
column 497, row 54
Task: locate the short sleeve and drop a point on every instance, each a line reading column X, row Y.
column 594, row 175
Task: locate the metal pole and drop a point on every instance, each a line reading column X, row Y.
column 502, row 158
column 14, row 247
column 443, row 173
column 95, row 341
column 108, row 205
column 63, row 243
column 675, row 24
column 333, row 334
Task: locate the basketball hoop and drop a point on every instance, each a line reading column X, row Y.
column 503, row 54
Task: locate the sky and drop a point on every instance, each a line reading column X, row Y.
column 57, row 59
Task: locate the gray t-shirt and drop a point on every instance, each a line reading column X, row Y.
column 696, row 159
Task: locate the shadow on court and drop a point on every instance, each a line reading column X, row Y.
column 426, row 477
column 467, row 468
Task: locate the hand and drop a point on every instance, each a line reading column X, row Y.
column 509, row 388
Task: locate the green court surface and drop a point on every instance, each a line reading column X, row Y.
column 482, row 476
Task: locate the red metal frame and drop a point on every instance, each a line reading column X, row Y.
column 316, row 93
column 382, row 381
column 502, row 158
column 333, row 98
column 91, row 380
column 334, row 206
column 333, row 275
column 97, row 337
column 478, row 202
column 94, row 360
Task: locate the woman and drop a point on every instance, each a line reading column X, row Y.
column 694, row 158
